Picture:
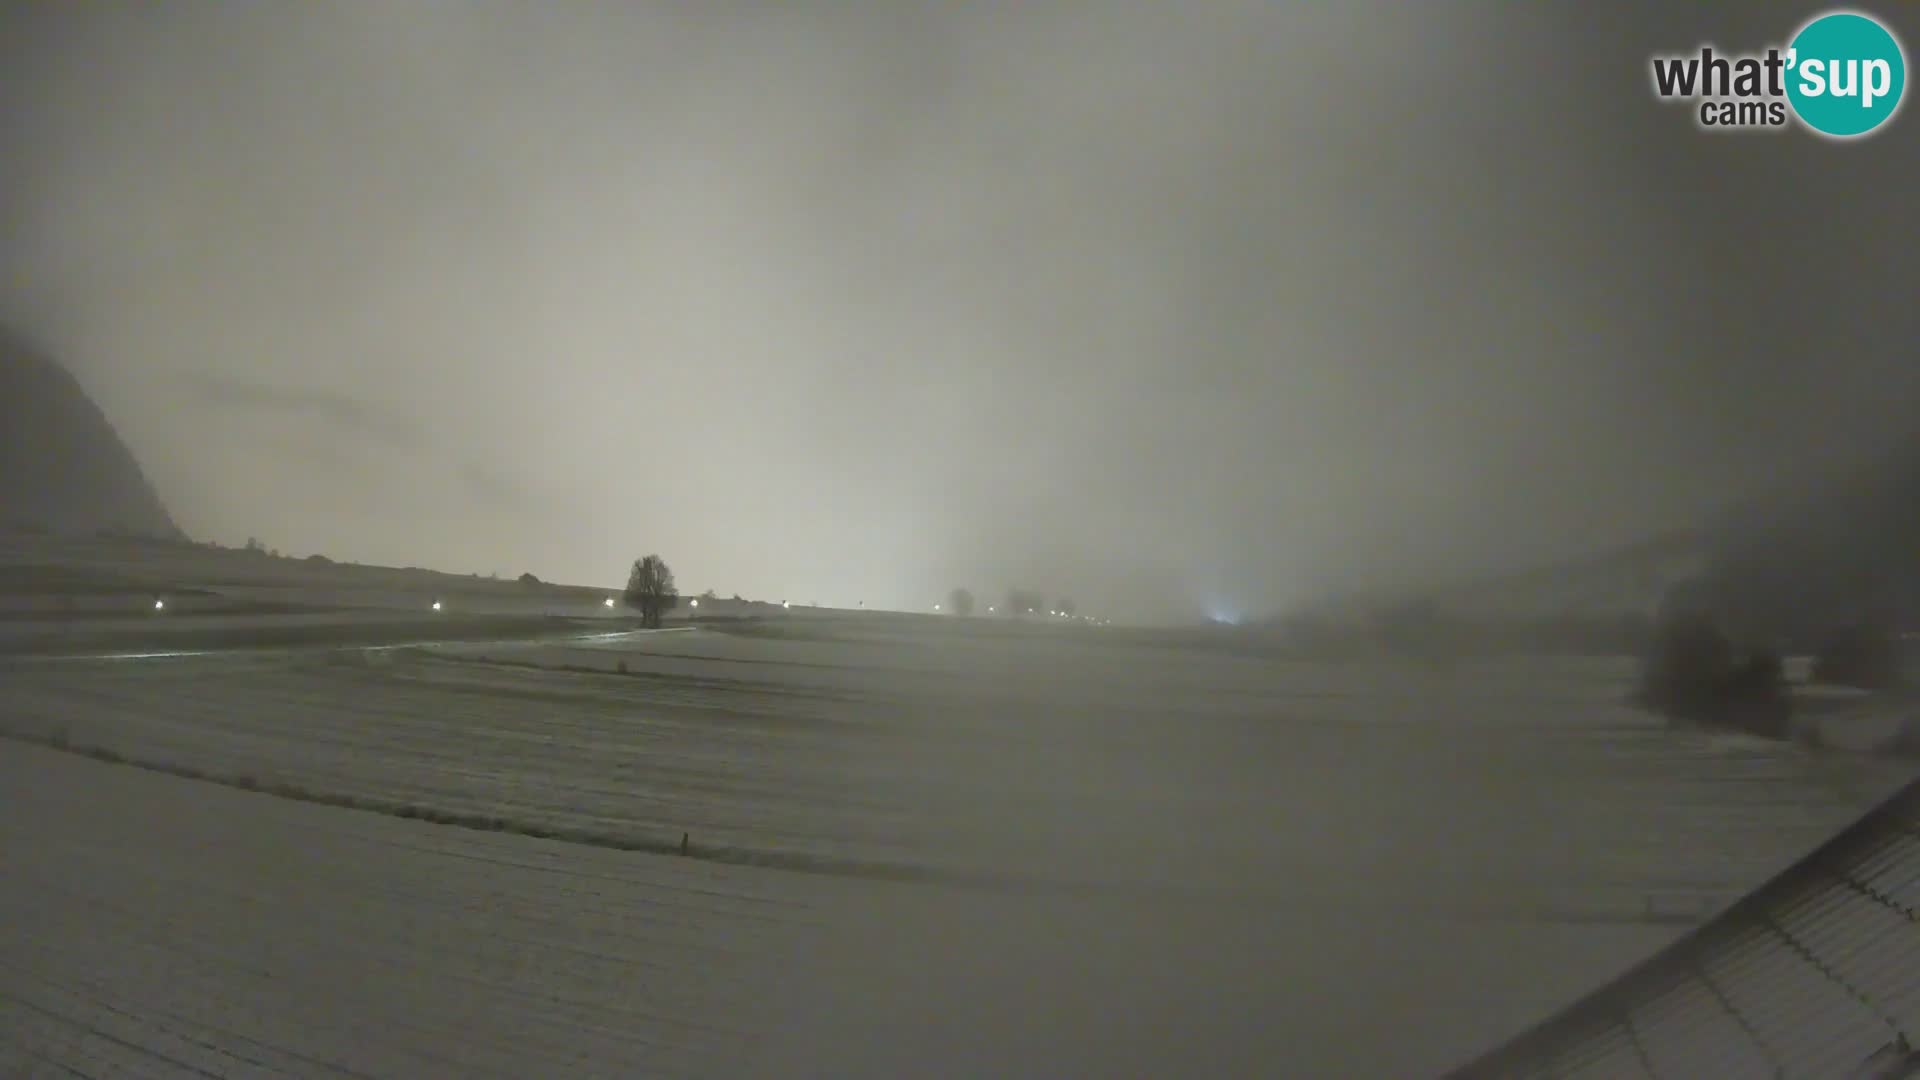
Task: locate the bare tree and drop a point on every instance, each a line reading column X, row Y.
column 650, row 588
column 961, row 601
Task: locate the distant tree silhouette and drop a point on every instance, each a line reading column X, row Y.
column 1689, row 665
column 1694, row 671
column 961, row 601
column 528, row 579
column 1025, row 602
column 650, row 589
column 1066, row 606
column 709, row 595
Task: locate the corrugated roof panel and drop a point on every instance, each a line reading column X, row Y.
column 1811, row 975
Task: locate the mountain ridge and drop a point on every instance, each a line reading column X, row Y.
column 63, row 467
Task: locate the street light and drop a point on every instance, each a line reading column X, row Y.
column 695, row 602
column 436, row 605
column 159, row 604
column 608, row 601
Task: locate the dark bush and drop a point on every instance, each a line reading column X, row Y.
column 1688, row 661
column 1693, row 672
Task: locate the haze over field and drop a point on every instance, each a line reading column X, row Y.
column 1167, row 309
column 1165, row 312
column 918, row 846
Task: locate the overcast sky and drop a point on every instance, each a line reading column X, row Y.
column 1163, row 307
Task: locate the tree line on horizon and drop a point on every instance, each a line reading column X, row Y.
column 1018, row 602
column 652, row 592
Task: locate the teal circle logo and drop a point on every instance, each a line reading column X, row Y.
column 1846, row 74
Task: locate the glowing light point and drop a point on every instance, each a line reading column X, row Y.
column 786, row 603
column 159, row 604
column 693, row 603
column 436, row 605
column 608, row 601
column 936, row 607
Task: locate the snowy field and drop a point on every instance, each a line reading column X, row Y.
column 156, row 926
column 152, row 926
column 916, row 846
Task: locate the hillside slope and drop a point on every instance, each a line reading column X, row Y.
column 63, row 468
column 1791, row 564
column 1846, row 548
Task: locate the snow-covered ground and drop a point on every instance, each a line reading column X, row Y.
column 1858, row 721
column 921, row 846
column 152, row 926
